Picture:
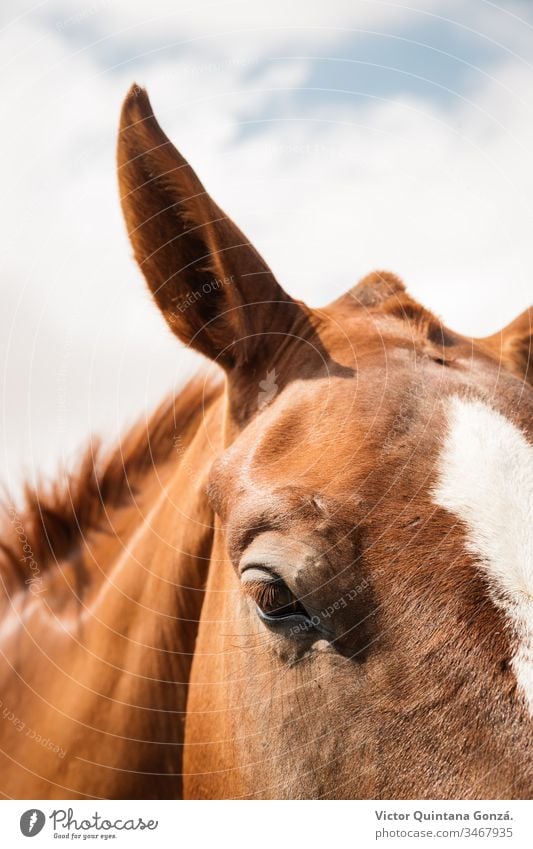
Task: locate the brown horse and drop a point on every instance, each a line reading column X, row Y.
column 309, row 576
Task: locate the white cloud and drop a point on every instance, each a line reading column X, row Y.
column 255, row 28
column 328, row 189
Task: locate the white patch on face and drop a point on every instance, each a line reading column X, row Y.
column 486, row 480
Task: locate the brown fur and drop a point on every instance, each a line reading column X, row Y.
column 143, row 655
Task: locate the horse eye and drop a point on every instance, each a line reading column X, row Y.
column 273, row 598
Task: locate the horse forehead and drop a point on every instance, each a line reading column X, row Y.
column 485, row 479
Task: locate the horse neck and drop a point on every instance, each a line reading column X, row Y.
column 152, row 604
column 106, row 641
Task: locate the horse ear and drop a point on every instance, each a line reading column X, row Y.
column 513, row 345
column 214, row 289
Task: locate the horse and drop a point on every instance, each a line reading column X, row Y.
column 308, row 575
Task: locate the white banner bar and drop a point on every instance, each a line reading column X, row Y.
column 267, row 825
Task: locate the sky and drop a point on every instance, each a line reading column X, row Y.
column 341, row 136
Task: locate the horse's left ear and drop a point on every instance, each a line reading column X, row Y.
column 214, row 289
column 513, row 345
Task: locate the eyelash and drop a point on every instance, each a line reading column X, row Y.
column 264, row 593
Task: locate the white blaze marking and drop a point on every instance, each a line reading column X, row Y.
column 486, row 480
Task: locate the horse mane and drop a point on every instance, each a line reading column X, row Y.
column 54, row 520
